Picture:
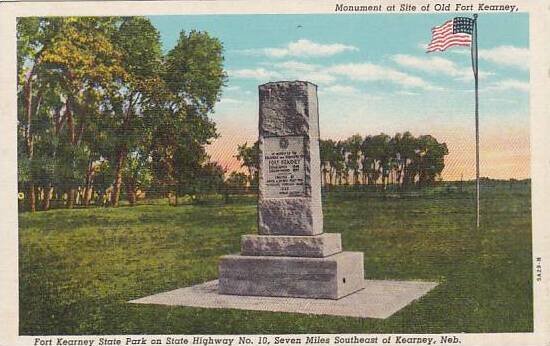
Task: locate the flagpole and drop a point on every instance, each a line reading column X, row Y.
column 475, row 70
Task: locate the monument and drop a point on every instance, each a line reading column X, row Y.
column 291, row 265
column 291, row 256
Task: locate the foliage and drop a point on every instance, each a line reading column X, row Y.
column 236, row 182
column 403, row 160
column 97, row 93
column 250, row 158
column 193, row 77
column 210, row 179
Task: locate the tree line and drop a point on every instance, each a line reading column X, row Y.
column 380, row 160
column 102, row 108
column 103, row 112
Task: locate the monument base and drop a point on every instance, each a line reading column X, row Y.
column 322, row 245
column 331, row 277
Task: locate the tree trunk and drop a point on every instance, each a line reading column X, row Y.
column 48, row 193
column 405, row 182
column 78, row 194
column 398, row 174
column 115, row 195
column 29, row 141
column 70, row 120
column 86, row 196
column 101, row 198
column 71, row 194
column 31, row 196
column 88, row 187
column 130, row 193
column 90, row 195
column 172, row 199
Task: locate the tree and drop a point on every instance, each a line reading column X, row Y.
column 98, row 99
column 328, row 152
column 140, row 45
column 137, row 174
column 250, row 159
column 339, row 162
column 210, row 179
column 429, row 159
column 88, row 65
column 236, row 182
column 193, row 76
column 404, row 146
column 34, row 37
column 353, row 150
column 103, row 178
column 380, row 153
column 371, row 171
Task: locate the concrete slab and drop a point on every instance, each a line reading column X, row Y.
column 379, row 299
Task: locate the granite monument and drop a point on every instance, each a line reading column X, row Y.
column 290, row 256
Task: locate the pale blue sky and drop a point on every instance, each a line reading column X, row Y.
column 374, row 76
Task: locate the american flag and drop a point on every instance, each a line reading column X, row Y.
column 455, row 32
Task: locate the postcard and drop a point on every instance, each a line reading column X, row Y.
column 275, row 173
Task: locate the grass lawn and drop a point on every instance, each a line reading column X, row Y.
column 78, row 268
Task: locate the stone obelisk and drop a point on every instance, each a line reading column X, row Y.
column 291, row 256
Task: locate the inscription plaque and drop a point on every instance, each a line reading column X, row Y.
column 283, row 167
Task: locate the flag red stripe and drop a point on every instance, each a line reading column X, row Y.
column 443, row 26
column 450, row 33
column 455, row 36
column 445, row 46
column 459, row 38
column 449, row 42
column 446, row 33
column 442, row 49
column 447, row 29
column 433, row 49
column 443, row 32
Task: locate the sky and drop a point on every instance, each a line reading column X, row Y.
column 374, row 75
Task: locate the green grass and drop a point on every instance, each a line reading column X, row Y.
column 78, row 268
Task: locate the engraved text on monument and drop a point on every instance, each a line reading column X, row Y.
column 283, row 166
